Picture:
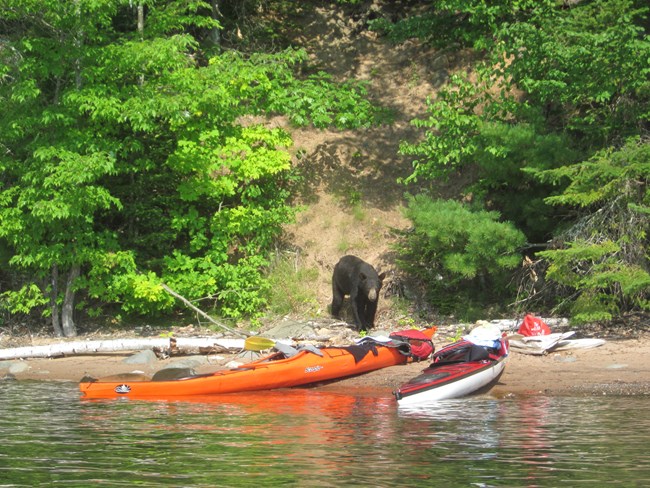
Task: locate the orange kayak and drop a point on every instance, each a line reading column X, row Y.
column 270, row 372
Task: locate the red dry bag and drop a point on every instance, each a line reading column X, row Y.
column 533, row 326
column 419, row 341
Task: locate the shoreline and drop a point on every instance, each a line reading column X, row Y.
column 618, row 367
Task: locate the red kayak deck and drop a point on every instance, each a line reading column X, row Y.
column 454, row 376
column 271, row 372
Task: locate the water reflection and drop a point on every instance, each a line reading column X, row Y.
column 316, row 438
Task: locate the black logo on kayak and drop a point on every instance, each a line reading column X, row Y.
column 122, row 389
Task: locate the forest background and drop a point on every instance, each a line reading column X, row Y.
column 180, row 144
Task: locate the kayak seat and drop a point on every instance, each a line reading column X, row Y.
column 478, row 353
column 130, row 377
column 290, row 351
column 171, row 374
column 467, row 352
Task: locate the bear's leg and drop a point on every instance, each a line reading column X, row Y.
column 369, row 314
column 358, row 302
column 337, row 300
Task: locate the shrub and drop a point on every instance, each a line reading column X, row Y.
column 457, row 251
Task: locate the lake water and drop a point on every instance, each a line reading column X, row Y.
column 307, row 438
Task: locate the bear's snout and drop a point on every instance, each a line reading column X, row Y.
column 372, row 295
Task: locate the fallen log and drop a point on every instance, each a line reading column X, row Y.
column 116, row 345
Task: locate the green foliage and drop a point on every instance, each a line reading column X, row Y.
column 317, row 100
column 127, row 153
column 610, row 174
column 458, row 334
column 455, row 250
column 564, row 83
column 113, row 277
column 452, row 138
column 467, row 23
column 292, row 288
column 506, row 156
column 22, row 301
column 540, row 132
column 588, row 66
column 460, row 137
column 601, row 279
column 419, row 27
column 605, row 262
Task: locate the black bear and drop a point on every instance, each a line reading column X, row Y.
column 354, row 277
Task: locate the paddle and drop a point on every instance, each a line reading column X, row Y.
column 256, row 343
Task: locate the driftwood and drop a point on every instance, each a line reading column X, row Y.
column 116, row 345
column 201, row 312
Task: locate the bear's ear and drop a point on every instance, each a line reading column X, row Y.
column 382, row 276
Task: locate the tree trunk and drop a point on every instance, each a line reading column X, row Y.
column 78, row 42
column 215, row 34
column 69, row 328
column 141, row 32
column 54, row 307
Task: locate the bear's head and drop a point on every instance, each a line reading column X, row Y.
column 371, row 284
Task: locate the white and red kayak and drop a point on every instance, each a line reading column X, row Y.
column 457, row 370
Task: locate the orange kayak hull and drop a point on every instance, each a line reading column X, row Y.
column 268, row 373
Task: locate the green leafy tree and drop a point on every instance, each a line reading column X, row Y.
column 560, row 85
column 602, row 262
column 463, row 138
column 126, row 162
column 586, row 67
column 452, row 130
column 52, row 168
column 460, row 23
column 471, row 126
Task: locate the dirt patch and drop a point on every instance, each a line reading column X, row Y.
column 353, row 201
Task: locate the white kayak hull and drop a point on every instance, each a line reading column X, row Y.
column 456, row 387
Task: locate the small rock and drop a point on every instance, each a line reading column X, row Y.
column 18, row 367
column 233, row 364
column 616, row 366
column 564, row 359
column 324, row 332
column 141, row 357
column 188, row 362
